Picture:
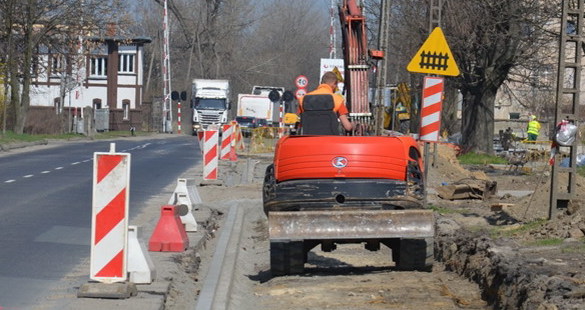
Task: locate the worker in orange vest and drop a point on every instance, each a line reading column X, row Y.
column 314, row 106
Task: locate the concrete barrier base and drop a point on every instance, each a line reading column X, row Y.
column 107, row 290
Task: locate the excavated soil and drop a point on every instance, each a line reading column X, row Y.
column 512, row 256
column 505, row 243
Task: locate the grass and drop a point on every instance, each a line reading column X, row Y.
column 507, row 232
column 581, row 171
column 11, row 137
column 546, row 242
column 480, row 159
column 442, row 210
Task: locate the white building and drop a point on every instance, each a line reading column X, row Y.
column 106, row 73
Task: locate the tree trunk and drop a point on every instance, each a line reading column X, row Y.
column 22, row 107
column 477, row 125
column 449, row 122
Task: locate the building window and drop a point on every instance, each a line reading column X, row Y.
column 99, row 67
column 126, row 63
column 57, row 64
column 58, row 106
column 514, row 115
column 97, row 104
column 126, row 108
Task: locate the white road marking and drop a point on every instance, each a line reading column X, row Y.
column 75, row 163
column 58, row 168
column 9, row 181
column 46, row 171
column 29, row 176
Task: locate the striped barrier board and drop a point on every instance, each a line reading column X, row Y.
column 210, row 154
column 111, row 188
column 431, row 109
column 226, row 141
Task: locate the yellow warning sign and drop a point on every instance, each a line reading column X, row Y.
column 434, row 56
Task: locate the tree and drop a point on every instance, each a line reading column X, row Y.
column 30, row 26
column 493, row 41
column 249, row 42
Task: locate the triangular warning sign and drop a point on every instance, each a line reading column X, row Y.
column 434, row 56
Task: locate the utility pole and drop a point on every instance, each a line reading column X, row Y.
column 381, row 73
column 167, row 107
column 563, row 179
column 332, row 37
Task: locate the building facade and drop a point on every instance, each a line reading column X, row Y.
column 106, row 74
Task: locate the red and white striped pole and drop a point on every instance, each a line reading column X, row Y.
column 109, row 240
column 431, row 109
column 179, row 117
column 210, row 154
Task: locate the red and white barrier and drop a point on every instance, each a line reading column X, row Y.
column 431, row 109
column 226, row 141
column 111, row 188
column 210, row 154
column 200, row 140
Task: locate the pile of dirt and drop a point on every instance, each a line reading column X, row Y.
column 538, row 264
column 444, row 168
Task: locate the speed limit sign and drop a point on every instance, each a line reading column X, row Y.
column 300, row 93
column 301, row 81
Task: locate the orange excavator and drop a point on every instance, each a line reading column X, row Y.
column 328, row 190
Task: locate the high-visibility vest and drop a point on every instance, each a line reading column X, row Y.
column 533, row 127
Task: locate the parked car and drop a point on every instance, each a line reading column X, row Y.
column 247, row 123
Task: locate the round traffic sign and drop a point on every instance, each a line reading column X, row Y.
column 301, row 81
column 300, row 93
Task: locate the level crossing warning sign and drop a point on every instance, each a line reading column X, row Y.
column 434, row 56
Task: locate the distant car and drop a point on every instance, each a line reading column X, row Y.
column 261, row 122
column 247, row 123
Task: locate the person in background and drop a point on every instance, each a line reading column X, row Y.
column 533, row 128
column 322, row 99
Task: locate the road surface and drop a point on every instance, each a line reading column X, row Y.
column 45, row 206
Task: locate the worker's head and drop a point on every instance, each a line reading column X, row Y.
column 329, row 78
column 533, row 117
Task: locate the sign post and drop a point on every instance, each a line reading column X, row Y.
column 433, row 57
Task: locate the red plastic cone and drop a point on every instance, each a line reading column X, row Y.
column 169, row 234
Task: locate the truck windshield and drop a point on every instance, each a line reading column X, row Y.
column 210, row 104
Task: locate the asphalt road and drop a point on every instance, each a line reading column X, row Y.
column 45, row 206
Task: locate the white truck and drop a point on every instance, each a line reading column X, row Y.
column 261, row 103
column 210, row 103
column 258, row 106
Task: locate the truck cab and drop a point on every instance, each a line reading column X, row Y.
column 210, row 103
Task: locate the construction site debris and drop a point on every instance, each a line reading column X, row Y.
column 468, row 189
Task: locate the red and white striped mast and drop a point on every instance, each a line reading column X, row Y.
column 167, row 111
column 332, row 37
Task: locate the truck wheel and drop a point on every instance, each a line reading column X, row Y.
column 269, row 184
column 414, row 254
column 286, row 257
